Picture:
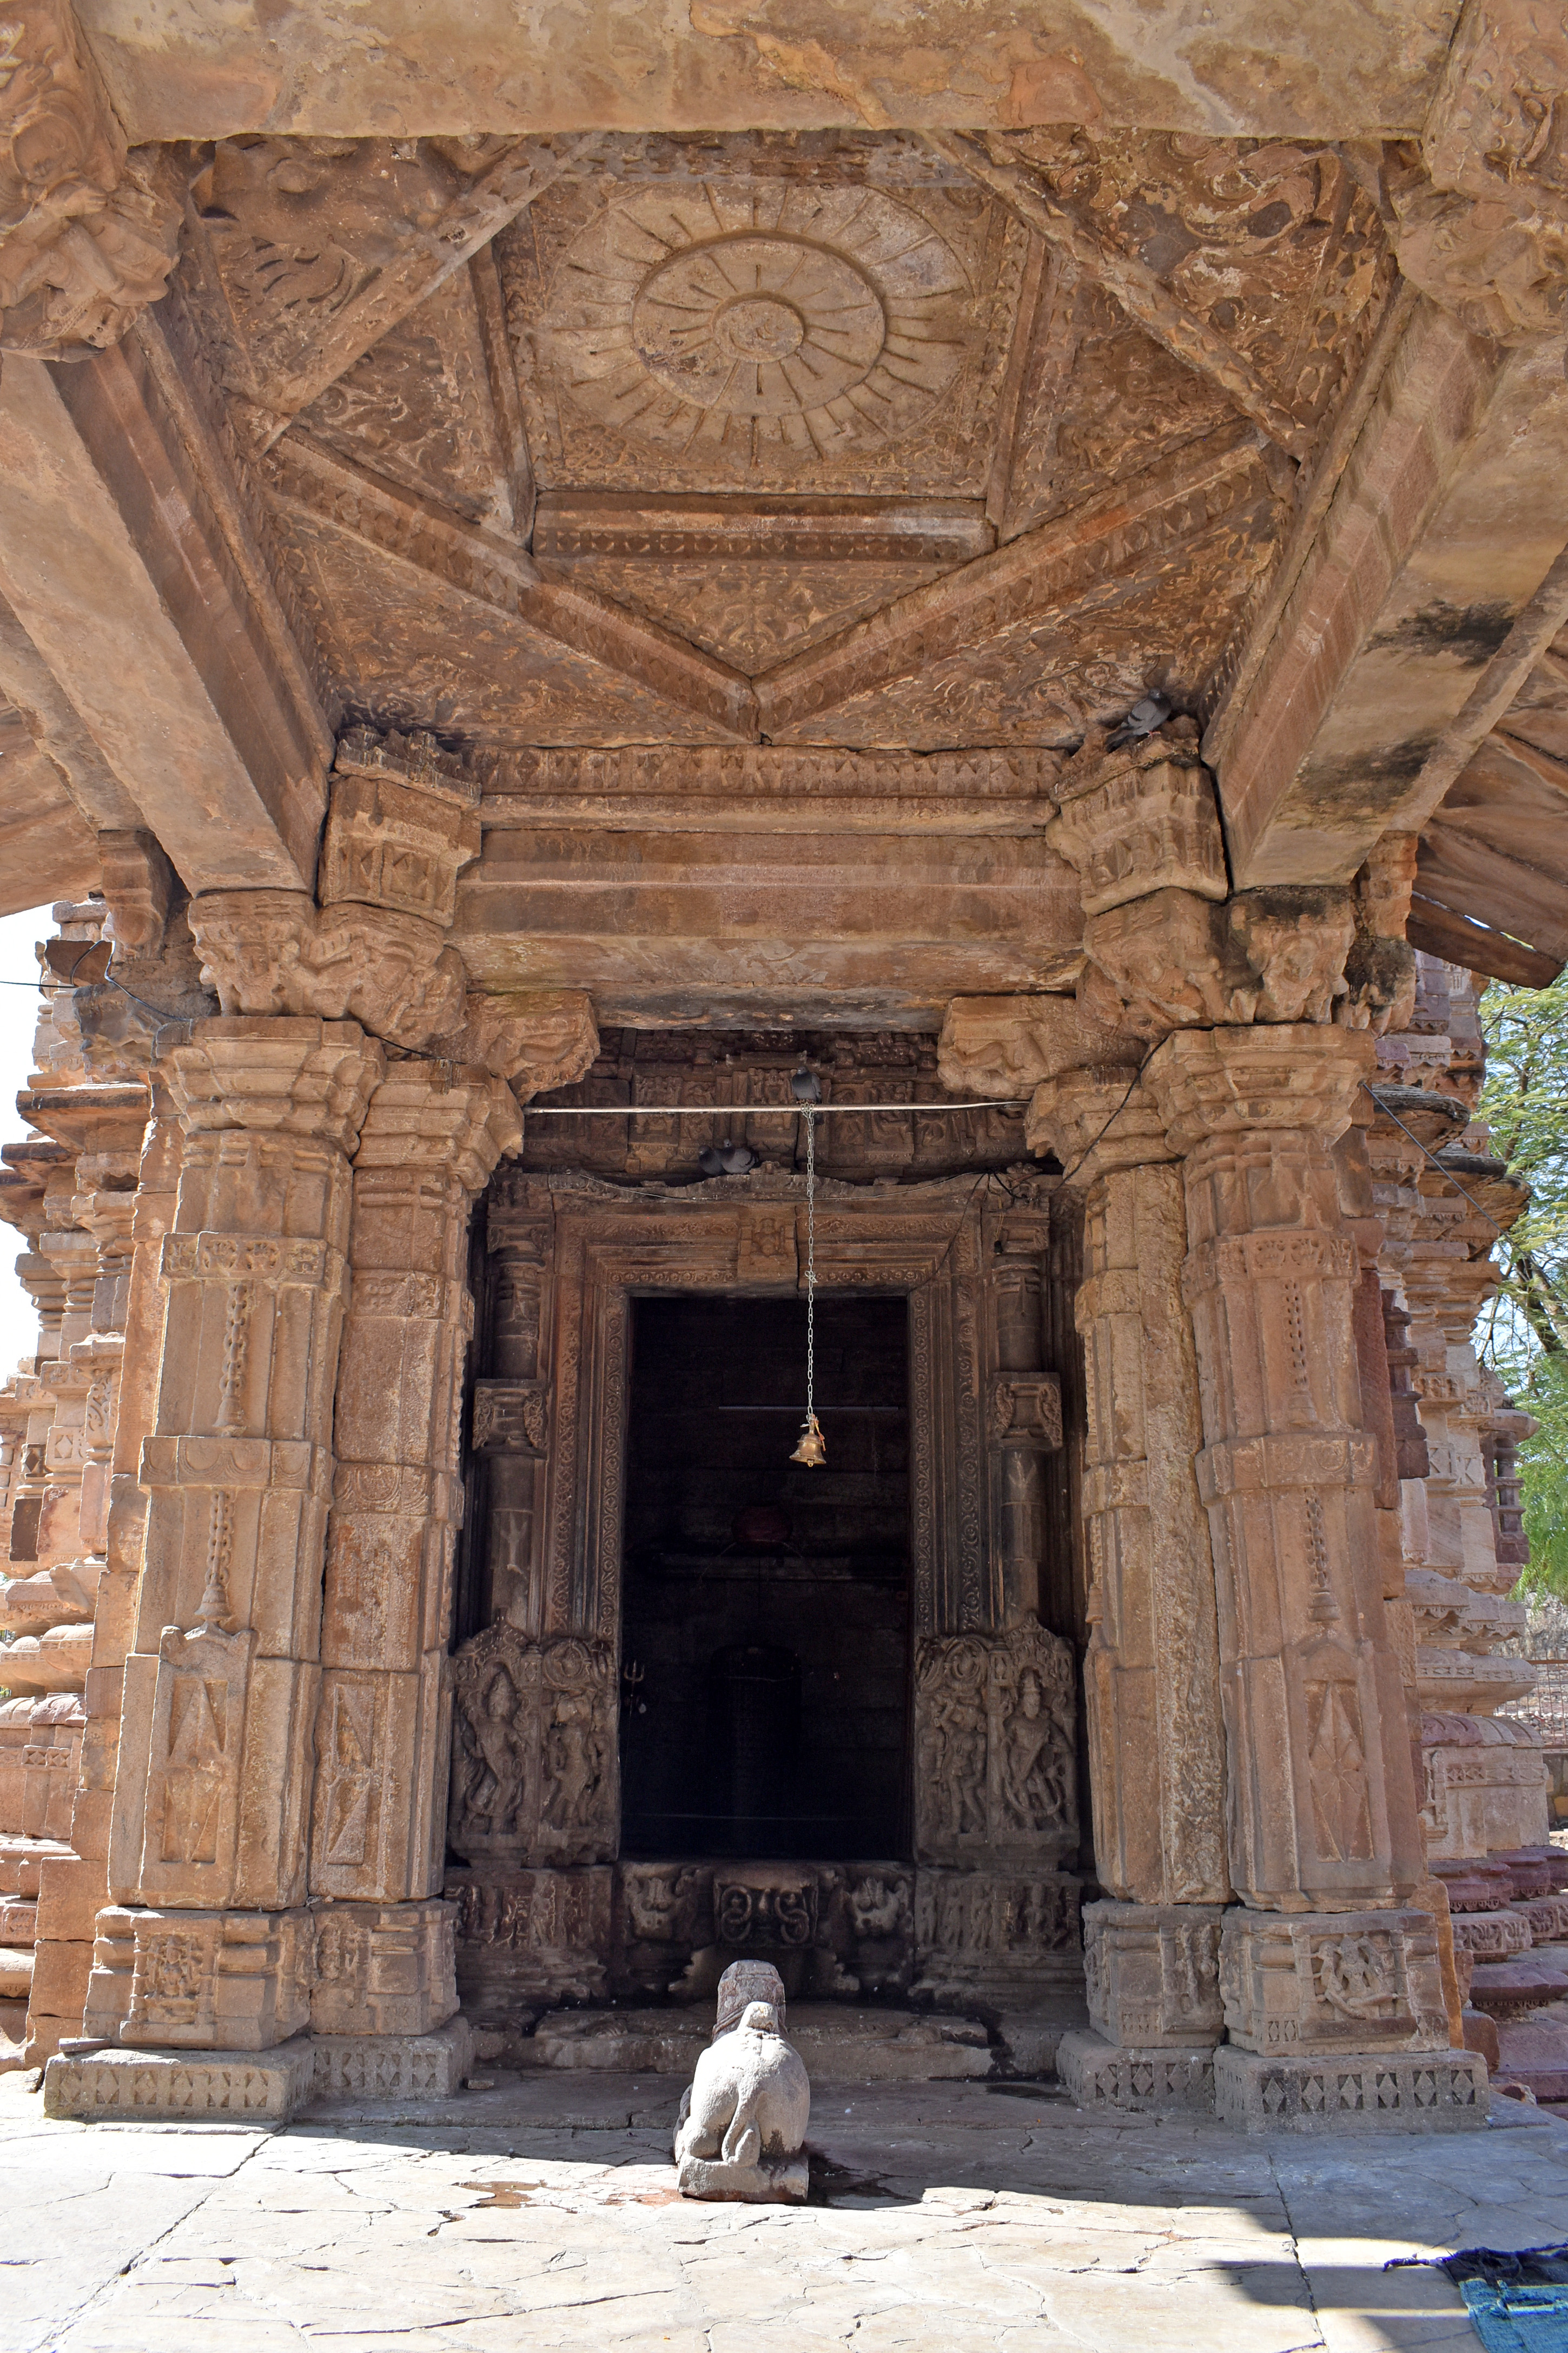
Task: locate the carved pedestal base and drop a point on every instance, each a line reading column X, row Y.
column 1300, row 1982
column 392, row 2066
column 1152, row 1973
column 1397, row 2091
column 1101, row 2074
column 383, row 1970
column 209, row 1981
column 261, row 2087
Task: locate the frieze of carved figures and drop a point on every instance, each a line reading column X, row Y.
column 533, row 1750
column 996, row 1773
column 89, row 232
column 974, row 1927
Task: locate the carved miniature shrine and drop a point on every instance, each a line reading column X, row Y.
column 777, row 774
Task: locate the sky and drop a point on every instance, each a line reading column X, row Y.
column 18, row 1018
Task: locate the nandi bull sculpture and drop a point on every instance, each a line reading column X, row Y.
column 741, row 2132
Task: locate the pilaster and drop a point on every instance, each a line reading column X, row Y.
column 1151, row 1674
column 431, row 1137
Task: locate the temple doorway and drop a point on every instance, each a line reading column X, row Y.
column 765, row 1605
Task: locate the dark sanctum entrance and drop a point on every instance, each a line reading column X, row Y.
column 765, row 1605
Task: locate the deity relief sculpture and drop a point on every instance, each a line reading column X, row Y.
column 993, row 1718
column 534, row 1778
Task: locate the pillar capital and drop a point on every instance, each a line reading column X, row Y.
column 276, row 952
column 295, row 1077
column 1097, row 1120
column 441, row 1120
column 1209, row 1084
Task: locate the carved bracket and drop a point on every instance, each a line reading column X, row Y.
column 88, row 233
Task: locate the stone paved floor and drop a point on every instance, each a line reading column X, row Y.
column 543, row 2215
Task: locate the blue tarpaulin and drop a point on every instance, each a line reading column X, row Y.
column 1517, row 2298
column 1517, row 2319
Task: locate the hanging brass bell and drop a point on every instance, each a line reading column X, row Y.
column 812, row 1447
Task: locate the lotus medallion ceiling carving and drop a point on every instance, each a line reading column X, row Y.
column 810, row 322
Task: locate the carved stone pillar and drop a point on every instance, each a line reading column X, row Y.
column 1151, row 1674
column 1333, row 2001
column 207, row 1945
column 431, row 1137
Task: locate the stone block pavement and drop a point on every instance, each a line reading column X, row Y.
column 542, row 2214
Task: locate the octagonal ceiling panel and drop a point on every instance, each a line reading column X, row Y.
column 758, row 334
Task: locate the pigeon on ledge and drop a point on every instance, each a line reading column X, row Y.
column 1149, row 712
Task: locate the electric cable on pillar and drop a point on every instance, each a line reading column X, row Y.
column 812, row 1448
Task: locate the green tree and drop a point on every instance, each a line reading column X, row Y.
column 1524, row 1333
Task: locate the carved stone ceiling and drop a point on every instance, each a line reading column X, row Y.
column 804, row 438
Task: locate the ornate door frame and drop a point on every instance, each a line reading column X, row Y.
column 587, row 1250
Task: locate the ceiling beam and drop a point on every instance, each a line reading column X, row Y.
column 1037, row 572
column 351, row 500
column 130, row 567
column 1230, row 69
column 1487, row 704
column 1438, row 931
column 1449, row 515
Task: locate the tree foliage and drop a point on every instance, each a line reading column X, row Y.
column 1524, row 1332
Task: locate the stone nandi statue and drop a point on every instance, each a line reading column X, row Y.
column 741, row 2132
